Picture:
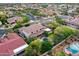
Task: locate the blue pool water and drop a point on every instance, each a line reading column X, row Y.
column 74, row 48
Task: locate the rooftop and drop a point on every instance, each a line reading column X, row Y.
column 9, row 43
column 34, row 29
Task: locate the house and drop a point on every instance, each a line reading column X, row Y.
column 15, row 19
column 47, row 11
column 74, row 23
column 11, row 44
column 32, row 30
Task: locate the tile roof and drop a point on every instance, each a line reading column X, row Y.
column 33, row 30
column 9, row 43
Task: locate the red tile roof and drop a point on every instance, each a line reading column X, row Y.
column 11, row 42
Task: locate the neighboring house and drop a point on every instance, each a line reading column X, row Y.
column 47, row 11
column 11, row 44
column 15, row 19
column 74, row 23
column 32, row 30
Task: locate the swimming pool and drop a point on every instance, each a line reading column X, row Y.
column 73, row 48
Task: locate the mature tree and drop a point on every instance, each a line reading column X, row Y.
column 44, row 5
column 18, row 25
column 3, row 17
column 64, row 31
column 34, row 48
column 61, row 33
column 26, row 19
column 46, row 46
column 46, row 33
column 28, row 10
column 53, row 24
column 34, row 11
column 59, row 20
column 37, row 47
column 29, row 40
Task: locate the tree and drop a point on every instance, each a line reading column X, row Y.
column 61, row 33
column 44, row 5
column 29, row 40
column 46, row 46
column 35, row 12
column 46, row 33
column 3, row 17
column 26, row 19
column 37, row 47
column 53, row 24
column 54, row 39
column 64, row 31
column 34, row 48
column 28, row 10
column 59, row 20
column 18, row 25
